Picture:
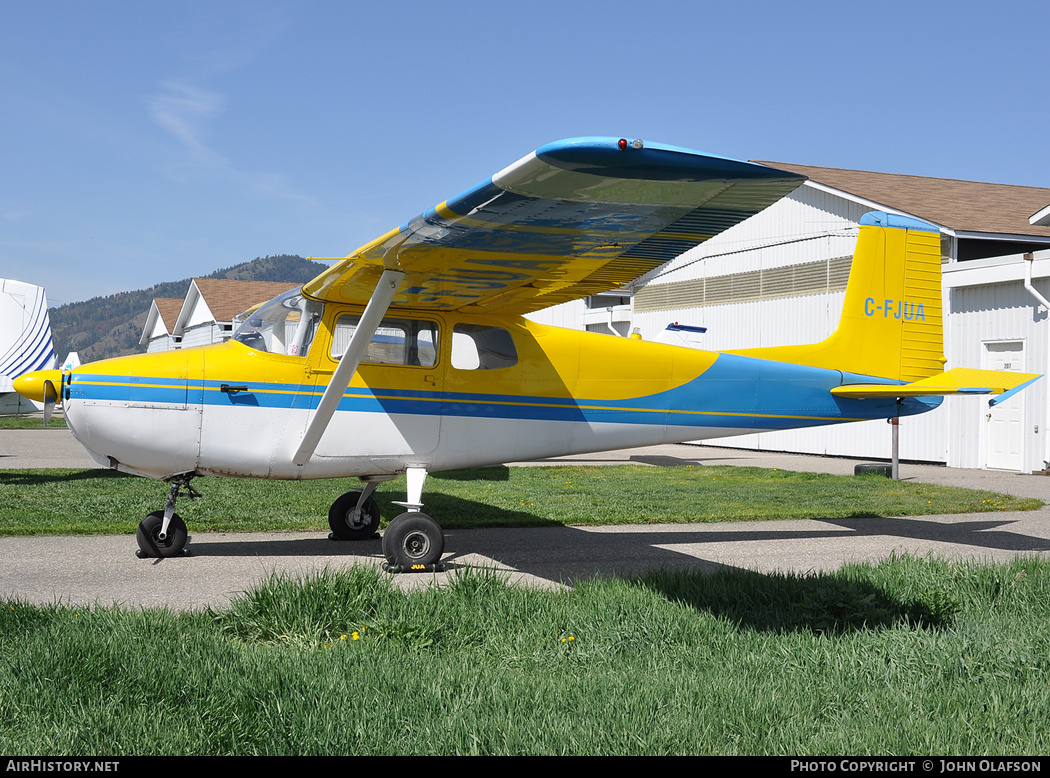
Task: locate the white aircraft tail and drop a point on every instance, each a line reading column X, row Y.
column 25, row 341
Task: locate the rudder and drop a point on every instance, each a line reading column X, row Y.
column 891, row 324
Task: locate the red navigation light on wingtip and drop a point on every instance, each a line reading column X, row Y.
column 622, row 143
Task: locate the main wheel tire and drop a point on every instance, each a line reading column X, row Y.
column 341, row 517
column 150, row 542
column 413, row 540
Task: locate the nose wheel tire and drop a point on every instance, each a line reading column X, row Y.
column 343, row 522
column 413, row 541
column 150, row 542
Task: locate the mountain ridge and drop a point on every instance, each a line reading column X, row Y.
column 111, row 326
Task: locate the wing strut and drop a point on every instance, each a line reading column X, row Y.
column 344, row 372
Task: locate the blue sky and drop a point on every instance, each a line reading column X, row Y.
column 148, row 141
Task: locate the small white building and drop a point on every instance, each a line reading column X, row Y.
column 780, row 277
column 160, row 321
column 207, row 315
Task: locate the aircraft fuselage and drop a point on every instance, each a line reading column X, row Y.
column 439, row 392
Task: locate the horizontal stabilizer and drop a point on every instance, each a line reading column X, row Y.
column 959, row 380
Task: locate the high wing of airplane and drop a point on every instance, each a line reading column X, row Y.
column 411, row 355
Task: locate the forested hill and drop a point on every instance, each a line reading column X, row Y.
column 111, row 326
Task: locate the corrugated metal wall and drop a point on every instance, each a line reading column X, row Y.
column 801, row 243
column 760, row 284
column 568, row 315
column 983, row 316
column 810, row 231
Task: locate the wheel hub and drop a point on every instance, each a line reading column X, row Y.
column 416, row 545
column 357, row 518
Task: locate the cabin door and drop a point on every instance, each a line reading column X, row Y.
column 392, row 409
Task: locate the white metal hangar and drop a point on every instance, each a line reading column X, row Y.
column 780, row 277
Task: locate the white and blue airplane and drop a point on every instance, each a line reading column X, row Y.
column 412, row 355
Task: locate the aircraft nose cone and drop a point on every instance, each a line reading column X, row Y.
column 34, row 386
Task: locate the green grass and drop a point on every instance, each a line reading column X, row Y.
column 908, row 656
column 34, row 502
column 31, row 423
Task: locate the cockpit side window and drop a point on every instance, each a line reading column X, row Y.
column 480, row 347
column 410, row 342
column 285, row 325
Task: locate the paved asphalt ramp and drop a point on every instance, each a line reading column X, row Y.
column 105, row 570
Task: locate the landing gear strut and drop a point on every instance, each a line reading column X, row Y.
column 163, row 533
column 354, row 516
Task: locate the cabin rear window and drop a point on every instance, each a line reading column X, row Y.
column 395, row 342
column 479, row 347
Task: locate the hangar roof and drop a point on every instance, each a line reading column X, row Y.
column 160, row 321
column 168, row 310
column 962, row 206
column 226, row 298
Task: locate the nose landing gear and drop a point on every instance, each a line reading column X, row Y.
column 163, row 533
column 155, row 542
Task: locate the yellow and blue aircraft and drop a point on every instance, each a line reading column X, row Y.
column 411, row 355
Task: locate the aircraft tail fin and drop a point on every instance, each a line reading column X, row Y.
column 25, row 339
column 891, row 324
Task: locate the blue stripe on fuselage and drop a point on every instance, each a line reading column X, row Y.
column 735, row 392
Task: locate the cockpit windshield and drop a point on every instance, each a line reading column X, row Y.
column 285, row 325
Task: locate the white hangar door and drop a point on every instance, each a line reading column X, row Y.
column 1004, row 427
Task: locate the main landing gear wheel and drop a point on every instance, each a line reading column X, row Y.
column 413, row 542
column 345, row 525
column 151, row 544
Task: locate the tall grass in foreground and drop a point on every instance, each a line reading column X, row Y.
column 906, row 657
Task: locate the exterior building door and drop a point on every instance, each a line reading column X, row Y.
column 1004, row 428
